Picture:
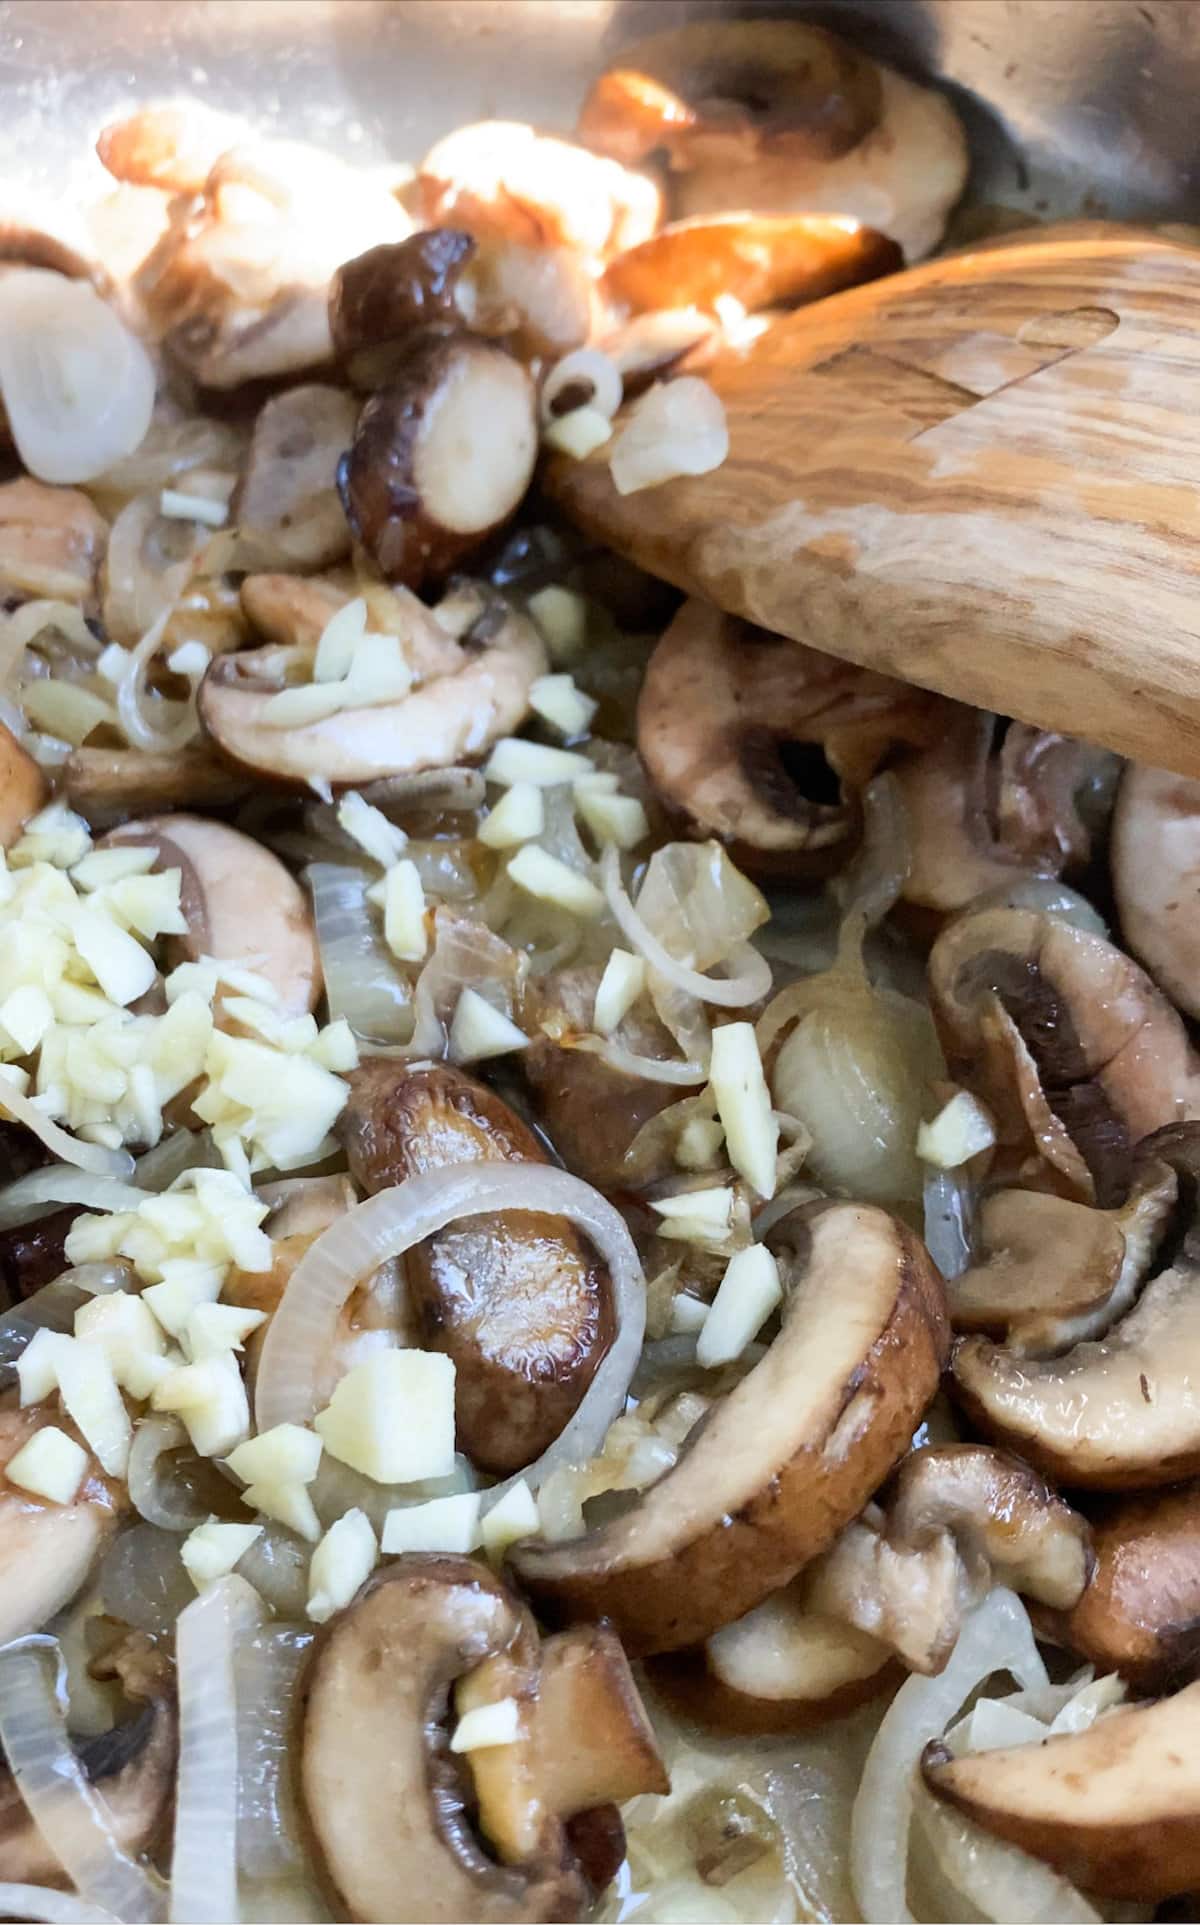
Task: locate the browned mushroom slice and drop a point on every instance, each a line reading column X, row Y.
column 783, row 1667
column 1140, row 1614
column 46, row 1550
column 778, row 117
column 591, row 1111
column 23, row 787
column 288, row 491
column 590, row 1730
column 1156, row 877
column 174, row 146
column 385, row 1803
column 131, row 1772
column 239, row 901
column 32, row 1254
column 1115, row 1807
column 453, row 717
column 783, row 1462
column 441, row 457
column 760, row 260
column 1050, row 1273
column 379, row 300
column 109, row 784
column 514, row 1298
column 762, row 742
column 1120, row 1414
column 962, row 1517
column 52, row 542
column 1068, row 1041
column 499, row 177
column 37, row 233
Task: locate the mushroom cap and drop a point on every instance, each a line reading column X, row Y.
column 287, row 495
column 502, row 178
column 47, row 1550
column 238, row 900
column 1122, row 1413
column 515, row 1299
column 1140, row 1614
column 23, row 787
column 108, row 784
column 1156, row 877
column 449, row 719
column 783, row 1462
column 763, row 742
column 1115, row 1807
column 763, row 261
column 386, row 1807
column 1068, row 1041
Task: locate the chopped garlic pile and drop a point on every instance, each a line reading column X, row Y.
column 352, row 668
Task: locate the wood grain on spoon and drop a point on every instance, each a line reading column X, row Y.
column 982, row 475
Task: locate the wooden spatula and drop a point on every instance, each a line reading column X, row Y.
column 982, row 475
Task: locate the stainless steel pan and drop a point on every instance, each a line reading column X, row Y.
column 1073, row 105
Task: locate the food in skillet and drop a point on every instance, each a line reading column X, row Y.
column 599, row 1209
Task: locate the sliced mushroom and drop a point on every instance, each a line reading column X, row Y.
column 108, row 784
column 1140, row 1614
column 52, row 541
column 499, row 177
column 778, row 116
column 131, row 1772
column 173, row 147
column 783, row 1462
column 288, row 491
column 1115, row 1807
column 42, row 233
column 590, row 1729
column 441, row 457
column 1156, row 877
column 762, row 742
column 1120, row 1414
column 591, row 1111
column 23, row 787
column 379, row 300
column 33, row 1254
column 453, row 717
column 1050, row 1273
column 1067, row 1040
column 239, row 902
column 962, row 1517
column 783, row 1667
column 762, row 261
column 514, row 1298
column 46, row 1550
column 386, row 1806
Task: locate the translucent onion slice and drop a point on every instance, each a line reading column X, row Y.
column 996, row 1880
column 138, row 719
column 43, row 1191
column 204, row 1856
column 82, row 1156
column 266, row 1667
column 53, row 1908
column 78, row 386
column 948, row 1213
column 996, row 1637
column 301, row 1335
column 733, row 992
column 649, row 1068
column 362, row 981
column 32, row 619
column 157, row 1496
column 66, row 1810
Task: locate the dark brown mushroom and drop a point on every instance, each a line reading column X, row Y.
column 1140, row 1614
column 1120, row 1414
column 287, row 496
column 441, row 456
column 109, row 785
column 1115, row 1807
column 591, row 1111
column 1156, row 877
column 1075, row 1051
column 764, row 743
column 378, row 301
column 131, row 1772
column 33, row 1254
column 239, row 902
column 173, row 146
column 1049, row 1273
column 513, row 1298
column 780, row 117
column 387, row 1804
column 47, row 1550
column 23, row 787
column 783, row 1462
column 761, row 261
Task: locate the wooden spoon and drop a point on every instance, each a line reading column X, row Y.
column 982, row 475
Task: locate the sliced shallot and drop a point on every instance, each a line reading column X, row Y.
column 204, row 1856
column 733, row 992
column 78, row 386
